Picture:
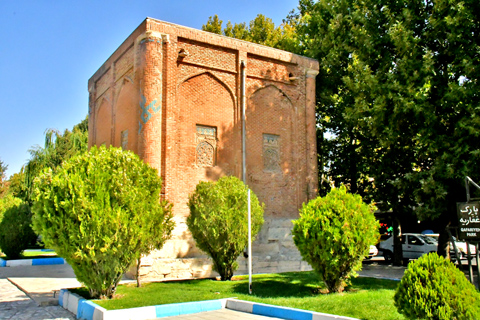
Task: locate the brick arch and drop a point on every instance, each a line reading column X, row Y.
column 103, row 123
column 188, row 78
column 202, row 100
column 126, row 115
column 271, row 113
column 274, row 87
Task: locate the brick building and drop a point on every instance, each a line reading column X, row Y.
column 174, row 95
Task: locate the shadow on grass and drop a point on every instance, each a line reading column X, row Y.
column 290, row 284
column 304, row 284
column 372, row 284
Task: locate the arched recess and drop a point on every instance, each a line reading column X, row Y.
column 204, row 113
column 103, row 123
column 275, row 88
column 271, row 143
column 188, row 78
column 126, row 117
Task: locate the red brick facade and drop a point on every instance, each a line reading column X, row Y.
column 172, row 94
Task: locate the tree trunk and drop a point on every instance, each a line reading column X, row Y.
column 139, row 260
column 443, row 240
column 397, row 243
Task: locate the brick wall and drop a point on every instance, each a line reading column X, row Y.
column 172, row 95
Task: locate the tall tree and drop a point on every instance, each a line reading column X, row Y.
column 214, row 25
column 327, row 31
column 17, row 186
column 238, row 31
column 58, row 148
column 260, row 30
column 398, row 94
column 3, row 169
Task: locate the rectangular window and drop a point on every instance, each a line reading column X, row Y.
column 206, row 138
column 124, row 139
column 271, row 152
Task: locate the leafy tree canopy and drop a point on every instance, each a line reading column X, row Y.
column 260, row 30
column 58, row 148
column 398, row 93
column 3, row 186
column 3, row 169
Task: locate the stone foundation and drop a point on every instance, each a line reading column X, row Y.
column 273, row 252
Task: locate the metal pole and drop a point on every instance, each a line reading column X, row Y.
column 467, row 188
column 242, row 96
column 244, row 172
column 469, row 257
column 452, row 241
column 249, row 245
column 477, row 257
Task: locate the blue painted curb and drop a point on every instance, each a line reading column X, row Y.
column 277, row 312
column 47, row 261
column 31, row 262
column 178, row 309
column 60, row 296
column 88, row 310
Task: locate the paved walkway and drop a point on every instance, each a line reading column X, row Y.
column 16, row 305
column 42, row 283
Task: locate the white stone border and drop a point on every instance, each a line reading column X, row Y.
column 84, row 309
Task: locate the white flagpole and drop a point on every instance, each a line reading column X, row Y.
column 249, row 245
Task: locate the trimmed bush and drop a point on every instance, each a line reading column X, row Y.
column 334, row 234
column 433, row 288
column 97, row 210
column 218, row 221
column 16, row 233
column 7, row 202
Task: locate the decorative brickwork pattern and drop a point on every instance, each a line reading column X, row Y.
column 206, row 146
column 271, row 152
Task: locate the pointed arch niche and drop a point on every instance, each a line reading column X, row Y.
column 126, row 117
column 204, row 114
column 271, row 169
column 103, row 125
column 204, row 100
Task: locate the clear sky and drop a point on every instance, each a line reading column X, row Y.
column 50, row 48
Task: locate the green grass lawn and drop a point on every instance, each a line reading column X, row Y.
column 366, row 298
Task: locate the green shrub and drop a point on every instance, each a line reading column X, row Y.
column 433, row 288
column 16, row 233
column 7, row 202
column 334, row 234
column 218, row 221
column 97, row 210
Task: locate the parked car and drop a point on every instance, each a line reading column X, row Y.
column 414, row 245
column 461, row 247
column 372, row 252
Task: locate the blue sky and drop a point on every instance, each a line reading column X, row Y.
column 49, row 49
